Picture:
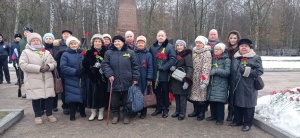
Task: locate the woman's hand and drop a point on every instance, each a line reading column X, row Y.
column 111, row 79
column 135, row 82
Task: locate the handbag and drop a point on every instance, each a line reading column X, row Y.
column 258, row 83
column 149, row 100
column 178, row 74
column 58, row 88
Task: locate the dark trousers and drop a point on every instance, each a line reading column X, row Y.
column 73, row 106
column 181, row 101
column 243, row 115
column 4, row 68
column 217, row 110
column 63, row 97
column 43, row 106
column 36, row 105
column 162, row 96
column 118, row 96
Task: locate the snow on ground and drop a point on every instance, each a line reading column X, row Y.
column 281, row 110
column 270, row 62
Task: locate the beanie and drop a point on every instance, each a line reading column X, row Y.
column 32, row 36
column 106, row 35
column 118, row 37
column 48, row 35
column 18, row 35
column 202, row 39
column 220, row 45
column 68, row 31
column 97, row 36
column 72, row 38
column 141, row 38
column 182, row 42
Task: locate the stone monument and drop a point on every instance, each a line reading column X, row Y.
column 127, row 18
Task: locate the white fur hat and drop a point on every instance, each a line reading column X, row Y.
column 220, row 45
column 141, row 38
column 32, row 36
column 72, row 38
column 97, row 36
column 106, row 35
column 202, row 39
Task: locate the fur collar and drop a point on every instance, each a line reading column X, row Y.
column 248, row 55
column 102, row 51
column 204, row 49
column 185, row 52
column 164, row 44
column 114, row 48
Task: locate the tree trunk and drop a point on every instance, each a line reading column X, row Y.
column 51, row 16
column 17, row 16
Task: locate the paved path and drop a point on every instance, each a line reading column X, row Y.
column 149, row 127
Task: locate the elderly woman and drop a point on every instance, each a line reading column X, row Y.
column 218, row 85
column 121, row 68
column 37, row 64
column 96, row 97
column 246, row 66
column 181, row 89
column 202, row 66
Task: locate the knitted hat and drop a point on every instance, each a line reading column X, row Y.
column 182, row 42
column 48, row 35
column 28, row 28
column 141, row 38
column 220, row 45
column 1, row 35
column 245, row 41
column 202, row 39
column 72, row 38
column 129, row 33
column 32, row 36
column 118, row 37
column 106, row 35
column 18, row 35
column 97, row 36
column 68, row 31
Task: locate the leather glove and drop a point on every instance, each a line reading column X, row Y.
column 185, row 85
column 202, row 86
column 44, row 68
column 213, row 72
column 173, row 68
column 149, row 82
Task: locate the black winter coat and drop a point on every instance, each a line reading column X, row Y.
column 121, row 64
column 185, row 61
column 242, row 82
column 4, row 50
column 96, row 95
column 169, row 50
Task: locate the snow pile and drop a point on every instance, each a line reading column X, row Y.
column 281, row 109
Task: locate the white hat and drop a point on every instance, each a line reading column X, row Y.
column 220, row 45
column 106, row 35
column 32, row 36
column 141, row 38
column 97, row 36
column 72, row 38
column 202, row 39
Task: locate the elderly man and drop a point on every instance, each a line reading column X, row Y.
column 129, row 38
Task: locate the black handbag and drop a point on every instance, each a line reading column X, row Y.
column 259, row 83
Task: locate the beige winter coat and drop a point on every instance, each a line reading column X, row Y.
column 37, row 85
column 202, row 66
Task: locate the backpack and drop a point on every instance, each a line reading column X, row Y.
column 135, row 98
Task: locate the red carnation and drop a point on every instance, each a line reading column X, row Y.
column 95, row 53
column 217, row 56
column 297, row 99
column 86, row 34
column 82, row 53
column 291, row 98
column 298, row 89
column 179, row 57
column 273, row 92
column 43, row 50
column 51, row 52
column 244, row 59
column 161, row 56
column 203, row 77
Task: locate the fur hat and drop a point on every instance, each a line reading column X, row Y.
column 48, row 35
column 97, row 36
column 68, row 31
column 56, row 42
column 141, row 38
column 32, row 36
column 202, row 39
column 245, row 41
column 118, row 37
column 182, row 42
column 72, row 38
column 28, row 28
column 18, row 35
column 220, row 45
column 106, row 35
column 128, row 33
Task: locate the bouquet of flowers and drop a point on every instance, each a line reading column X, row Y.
column 161, row 56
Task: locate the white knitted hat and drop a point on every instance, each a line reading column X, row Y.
column 202, row 39
column 72, row 38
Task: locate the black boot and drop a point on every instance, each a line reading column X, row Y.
column 230, row 115
column 143, row 113
column 201, row 115
column 195, row 112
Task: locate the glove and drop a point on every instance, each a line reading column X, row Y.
column 97, row 65
column 149, row 83
column 173, row 68
column 213, row 72
column 160, row 69
column 185, row 85
column 79, row 73
column 44, row 68
column 242, row 68
column 202, row 86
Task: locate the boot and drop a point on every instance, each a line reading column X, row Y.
column 93, row 115
column 115, row 120
column 38, row 120
column 230, row 115
column 126, row 120
column 195, row 112
column 201, row 115
column 100, row 116
column 52, row 119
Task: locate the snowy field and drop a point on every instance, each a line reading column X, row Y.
column 281, row 109
column 280, row 62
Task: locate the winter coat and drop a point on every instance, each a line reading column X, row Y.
column 96, row 95
column 71, row 62
column 230, row 49
column 49, row 47
column 144, row 59
column 167, row 63
column 202, row 66
column 37, row 85
column 218, row 85
column 212, row 44
column 122, row 65
column 22, row 45
column 59, row 47
column 185, row 61
column 4, row 50
column 13, row 46
column 242, row 83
